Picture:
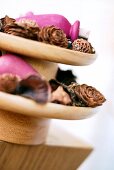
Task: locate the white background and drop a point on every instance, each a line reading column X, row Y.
column 97, row 16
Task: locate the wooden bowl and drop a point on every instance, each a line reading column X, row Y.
column 44, row 51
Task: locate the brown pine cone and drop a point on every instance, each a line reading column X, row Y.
column 4, row 21
column 82, row 46
column 53, row 35
column 18, row 30
column 84, row 95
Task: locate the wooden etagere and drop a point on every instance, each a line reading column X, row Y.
column 22, row 121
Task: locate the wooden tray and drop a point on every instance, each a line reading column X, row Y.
column 44, row 51
column 21, row 105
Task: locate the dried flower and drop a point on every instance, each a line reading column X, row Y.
column 53, row 35
column 82, row 46
column 15, row 29
column 8, row 83
column 30, row 25
column 23, row 28
column 4, row 21
column 84, row 95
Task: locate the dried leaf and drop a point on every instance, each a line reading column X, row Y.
column 54, row 84
column 34, row 87
column 65, row 76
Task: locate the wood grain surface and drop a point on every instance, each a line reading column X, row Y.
column 44, row 51
column 21, row 105
column 60, row 152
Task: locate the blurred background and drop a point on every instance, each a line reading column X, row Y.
column 98, row 17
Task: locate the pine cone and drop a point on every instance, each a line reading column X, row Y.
column 53, row 35
column 18, row 30
column 4, row 21
column 82, row 46
column 84, row 95
column 29, row 24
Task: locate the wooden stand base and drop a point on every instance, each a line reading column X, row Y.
column 61, row 151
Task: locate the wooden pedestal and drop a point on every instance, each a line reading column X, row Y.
column 62, row 151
